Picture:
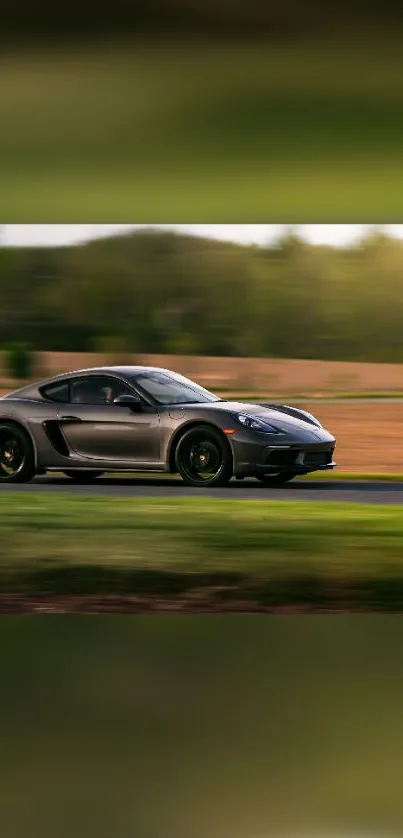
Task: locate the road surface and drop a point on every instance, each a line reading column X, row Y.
column 322, row 490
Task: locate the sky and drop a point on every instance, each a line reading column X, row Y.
column 16, row 235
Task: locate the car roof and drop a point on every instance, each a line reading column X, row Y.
column 33, row 390
column 126, row 371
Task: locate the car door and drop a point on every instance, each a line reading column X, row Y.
column 95, row 428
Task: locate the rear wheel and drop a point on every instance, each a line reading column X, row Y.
column 17, row 460
column 203, row 457
column 83, row 476
column 276, row 479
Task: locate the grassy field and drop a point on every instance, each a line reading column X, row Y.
column 202, row 553
column 226, row 726
column 353, row 476
column 204, row 131
column 331, row 475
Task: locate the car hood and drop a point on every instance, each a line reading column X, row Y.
column 268, row 414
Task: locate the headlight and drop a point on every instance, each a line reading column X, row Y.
column 255, row 424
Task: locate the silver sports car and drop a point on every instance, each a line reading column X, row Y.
column 116, row 419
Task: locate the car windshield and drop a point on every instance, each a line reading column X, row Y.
column 172, row 388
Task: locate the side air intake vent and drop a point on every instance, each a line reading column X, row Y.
column 56, row 437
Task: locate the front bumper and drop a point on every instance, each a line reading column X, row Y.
column 251, row 457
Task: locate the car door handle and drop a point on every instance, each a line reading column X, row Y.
column 70, row 419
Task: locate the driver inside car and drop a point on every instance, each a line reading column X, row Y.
column 109, row 395
column 82, row 393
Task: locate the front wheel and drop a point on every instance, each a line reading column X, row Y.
column 83, row 476
column 276, row 479
column 204, row 458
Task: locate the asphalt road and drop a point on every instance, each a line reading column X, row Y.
column 323, row 490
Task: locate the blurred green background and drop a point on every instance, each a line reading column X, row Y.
column 217, row 727
column 164, row 292
column 155, row 128
column 227, row 727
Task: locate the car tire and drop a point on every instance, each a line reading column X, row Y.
column 83, row 476
column 17, row 457
column 276, row 479
column 200, row 447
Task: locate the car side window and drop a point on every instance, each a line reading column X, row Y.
column 97, row 390
column 58, row 392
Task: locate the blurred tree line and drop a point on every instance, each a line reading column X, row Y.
column 136, row 17
column 154, row 291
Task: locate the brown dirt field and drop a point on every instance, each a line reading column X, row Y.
column 111, row 604
column 275, row 375
column 369, row 437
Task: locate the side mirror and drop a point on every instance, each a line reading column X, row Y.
column 134, row 402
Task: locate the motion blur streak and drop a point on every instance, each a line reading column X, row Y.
column 202, row 727
column 186, row 129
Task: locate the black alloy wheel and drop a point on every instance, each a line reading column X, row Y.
column 204, row 458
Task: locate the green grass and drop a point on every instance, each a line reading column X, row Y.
column 204, row 132
column 265, row 554
column 223, row 726
column 353, row 476
column 327, row 397
column 367, row 476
